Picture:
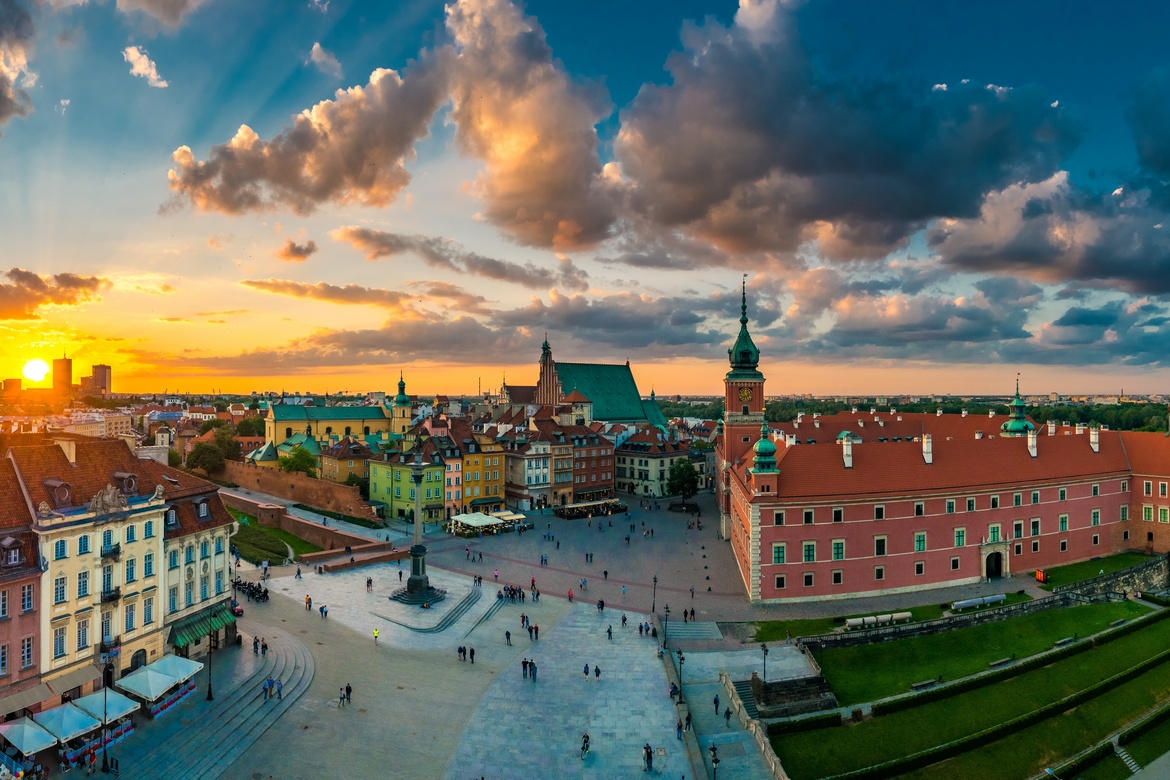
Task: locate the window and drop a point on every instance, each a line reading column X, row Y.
column 879, row 512
column 131, row 569
column 1035, row 496
column 1064, row 545
column 1035, row 527
column 107, row 578
column 3, row 603
column 26, row 598
column 1147, row 488
column 1018, row 529
column 838, row 576
column 954, row 564
column 148, row 611
column 960, row 537
column 189, row 593
column 1148, row 513
column 950, row 506
column 1163, row 515
column 218, row 583
column 1125, row 535
column 808, row 579
column 838, row 549
column 107, row 539
column 810, row 552
column 26, row 652
column 879, row 546
column 1095, row 517
column 172, row 517
column 131, row 533
column 1096, row 539
column 59, row 642
column 1062, row 523
column 173, row 599
column 1096, row 490
column 879, row 572
column 173, row 559
column 60, row 549
column 148, row 529
column 993, row 533
column 130, row 617
column 204, row 549
column 1036, row 546
column 919, row 509
column 919, row 568
column 1019, row 549
column 778, row 518
column 203, row 511
column 218, row 545
column 82, row 634
column 1063, row 494
column 1124, row 512
column 82, row 584
column 808, row 517
column 778, row 553
column 203, row 593
column 1125, row 486
column 3, row 659
column 83, row 544
column 189, row 554
column 1017, row 499
column 838, row 514
column 59, row 586
column 970, row 505
column 780, row 582
column 148, row 565
column 920, row 541
column 995, row 502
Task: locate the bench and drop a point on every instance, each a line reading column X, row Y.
column 1001, row 662
column 1067, row 640
column 922, row 684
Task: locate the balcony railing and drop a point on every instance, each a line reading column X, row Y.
column 111, row 595
column 111, row 551
column 109, row 643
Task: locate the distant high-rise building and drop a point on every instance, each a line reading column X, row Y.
column 62, row 377
column 103, row 379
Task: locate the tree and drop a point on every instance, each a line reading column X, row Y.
column 174, row 459
column 254, row 405
column 220, row 406
column 682, row 480
column 250, row 426
column 211, row 424
column 363, row 486
column 206, row 456
column 299, row 459
column 225, row 440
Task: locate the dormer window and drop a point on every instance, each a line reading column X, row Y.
column 127, row 482
column 201, row 509
column 172, row 517
column 60, row 492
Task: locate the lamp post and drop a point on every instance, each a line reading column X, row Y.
column 654, row 598
column 666, row 626
column 714, row 763
column 681, row 660
column 418, row 582
column 210, row 695
column 764, row 647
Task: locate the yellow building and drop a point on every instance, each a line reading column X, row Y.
column 484, row 474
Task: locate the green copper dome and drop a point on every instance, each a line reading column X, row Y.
column 743, row 355
column 1016, row 425
column 765, row 450
column 402, row 399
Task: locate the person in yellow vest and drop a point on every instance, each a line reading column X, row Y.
column 375, row 636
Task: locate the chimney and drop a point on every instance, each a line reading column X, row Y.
column 894, row 411
column 1095, row 439
column 927, row 449
column 855, row 410
column 1052, row 427
column 964, row 412
column 847, row 451
column 69, row 447
column 816, row 423
column 978, row 434
column 790, row 440
column 1032, row 443
column 899, row 418
column 1081, row 428
column 991, row 413
column 873, row 410
column 938, row 412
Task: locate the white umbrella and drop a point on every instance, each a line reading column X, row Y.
column 66, row 722
column 26, row 736
column 147, row 683
column 113, row 704
column 174, row 666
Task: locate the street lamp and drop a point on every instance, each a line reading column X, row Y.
column 714, row 763
column 654, row 598
column 210, row 695
column 681, row 661
column 764, row 647
column 666, row 625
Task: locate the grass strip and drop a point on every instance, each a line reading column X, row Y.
column 1087, row 570
column 365, row 522
column 892, row 737
column 870, row 672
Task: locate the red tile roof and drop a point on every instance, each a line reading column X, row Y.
column 1148, row 451
column 14, row 511
column 908, row 425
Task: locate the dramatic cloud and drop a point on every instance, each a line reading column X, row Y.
column 170, row 12
column 16, row 35
column 351, row 294
column 349, row 150
column 446, row 254
column 766, row 151
column 142, row 66
column 452, row 297
column 517, row 110
column 296, row 253
column 324, row 61
column 27, row 292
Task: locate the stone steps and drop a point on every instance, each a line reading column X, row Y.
column 744, row 689
column 1133, row 766
column 493, row 609
column 448, row 620
column 697, row 630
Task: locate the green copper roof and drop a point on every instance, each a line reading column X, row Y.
column 402, row 399
column 743, row 355
column 302, row 441
column 289, row 413
column 765, row 449
column 611, row 389
column 1017, row 424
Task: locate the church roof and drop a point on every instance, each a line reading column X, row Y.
column 743, row 355
column 576, row 397
column 612, row 390
column 290, row 413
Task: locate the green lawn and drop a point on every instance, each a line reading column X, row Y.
column 819, row 753
column 1150, row 745
column 1086, row 570
column 776, row 630
column 299, row 545
column 870, row 672
column 1029, row 751
column 1108, row 768
column 254, row 544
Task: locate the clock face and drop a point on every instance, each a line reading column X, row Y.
column 745, row 394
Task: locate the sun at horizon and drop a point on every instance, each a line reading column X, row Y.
column 36, row 370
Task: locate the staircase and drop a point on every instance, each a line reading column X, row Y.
column 1123, row 754
column 696, row 630
column 233, row 722
column 743, row 689
column 448, row 620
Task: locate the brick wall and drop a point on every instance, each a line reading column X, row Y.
column 299, row 488
column 273, row 516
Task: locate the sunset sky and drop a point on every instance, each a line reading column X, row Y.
column 314, row 194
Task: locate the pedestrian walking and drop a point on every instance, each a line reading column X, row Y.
column 530, row 633
column 692, row 591
column 716, row 704
column 597, row 672
column 279, row 689
column 481, row 560
column 623, row 620
column 340, row 698
column 473, row 655
column 325, row 611
column 508, row 638
column 348, row 692
column 308, row 603
column 605, row 574
column 532, row 670
column 369, row 584
column 639, row 629
column 537, row 630
column 264, row 687
column 524, row 666
column 375, row 636
column 496, row 574
column 692, row 614
column 609, row 633
column 586, row 672
column 263, row 648
column 678, row 730
column 687, row 723
column 684, row 616
column 298, row 573
column 255, row 645
column 727, row 716
column 400, row 575
column 321, row 609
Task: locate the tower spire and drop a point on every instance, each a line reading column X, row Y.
column 743, row 303
column 743, row 355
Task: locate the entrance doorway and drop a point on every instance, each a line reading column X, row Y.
column 994, row 565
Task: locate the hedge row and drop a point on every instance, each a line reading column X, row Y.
column 1008, row 672
column 1077, row 765
column 362, row 521
column 1132, row 733
column 1150, row 597
column 823, row 721
column 898, row 766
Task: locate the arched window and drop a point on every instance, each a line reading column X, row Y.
column 328, row 429
column 367, row 430
column 288, row 433
column 347, row 430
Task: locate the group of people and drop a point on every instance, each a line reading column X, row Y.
column 464, row 652
column 273, row 688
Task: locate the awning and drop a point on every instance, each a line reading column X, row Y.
column 26, row 736
column 173, row 666
column 71, row 680
column 476, row 520
column 66, row 722
column 26, row 698
column 486, row 501
column 108, row 702
column 147, row 683
column 207, row 621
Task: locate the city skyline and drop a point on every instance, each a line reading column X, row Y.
column 204, row 195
